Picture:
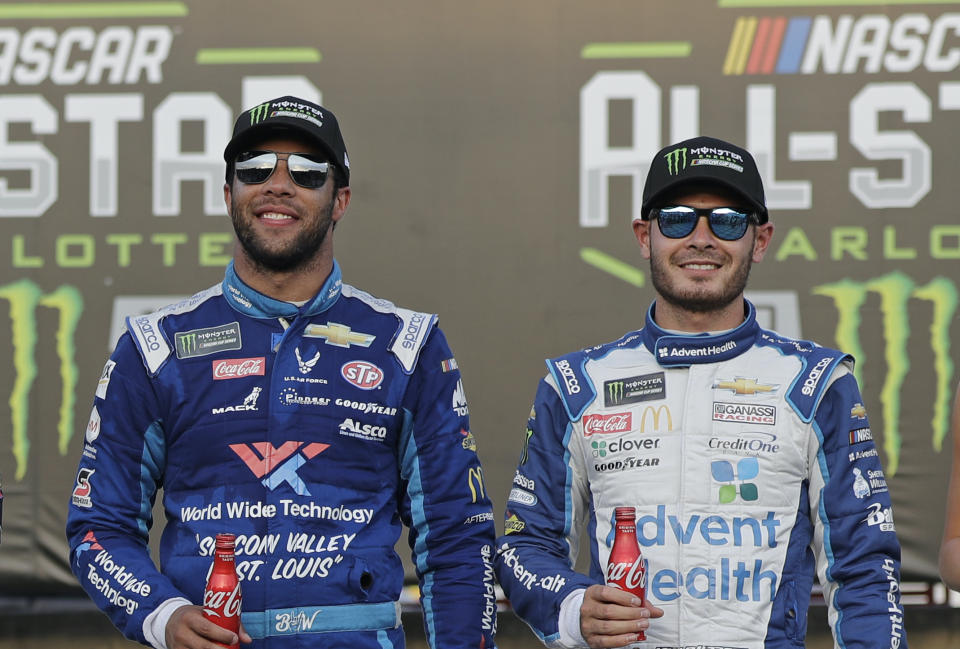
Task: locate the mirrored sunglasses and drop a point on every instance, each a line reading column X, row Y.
column 678, row 221
column 255, row 167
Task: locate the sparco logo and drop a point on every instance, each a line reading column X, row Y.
column 149, row 333
column 569, row 380
column 619, row 422
column 237, row 368
column 24, row 297
column 412, row 331
column 676, row 161
column 813, row 378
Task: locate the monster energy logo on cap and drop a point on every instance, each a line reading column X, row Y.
column 259, row 113
column 676, row 161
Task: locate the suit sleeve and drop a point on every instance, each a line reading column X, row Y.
column 445, row 505
column 855, row 542
column 545, row 511
column 110, row 512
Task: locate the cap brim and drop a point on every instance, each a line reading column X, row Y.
column 762, row 214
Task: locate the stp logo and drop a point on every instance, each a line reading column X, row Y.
column 362, row 374
column 236, row 368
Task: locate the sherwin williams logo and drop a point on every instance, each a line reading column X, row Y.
column 202, row 342
column 338, row 335
column 676, row 161
column 736, row 481
column 279, row 465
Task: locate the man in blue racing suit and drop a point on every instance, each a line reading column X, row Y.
column 747, row 455
column 306, row 417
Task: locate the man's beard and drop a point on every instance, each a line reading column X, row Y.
column 697, row 298
column 295, row 256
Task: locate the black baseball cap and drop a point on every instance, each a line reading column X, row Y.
column 704, row 160
column 290, row 114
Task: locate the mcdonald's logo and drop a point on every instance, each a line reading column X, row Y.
column 24, row 298
column 475, row 482
column 656, row 413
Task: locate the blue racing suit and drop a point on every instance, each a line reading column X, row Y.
column 751, row 465
column 312, row 433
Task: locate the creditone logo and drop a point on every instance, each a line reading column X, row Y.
column 741, row 385
column 745, row 413
column 338, row 335
column 83, row 488
column 279, row 465
column 846, row 44
column 362, row 374
column 238, row 368
column 646, row 387
column 734, row 482
column 209, row 340
column 618, row 422
column 896, row 291
column 24, row 298
column 746, row 443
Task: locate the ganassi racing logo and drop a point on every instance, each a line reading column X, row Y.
column 279, row 465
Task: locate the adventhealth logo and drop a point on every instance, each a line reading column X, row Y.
column 736, row 481
column 676, row 161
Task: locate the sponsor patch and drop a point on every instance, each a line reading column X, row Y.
column 522, row 497
column 83, row 488
column 858, row 411
column 880, row 516
column 338, row 335
column 93, row 426
column 634, row 389
column 104, row 381
column 745, row 413
column 449, row 365
column 513, row 525
column 368, row 432
column 459, row 400
column 861, row 488
column 741, row 385
column 249, row 403
column 237, row 368
column 201, row 342
column 468, row 442
column 362, row 374
column 860, row 435
column 615, row 423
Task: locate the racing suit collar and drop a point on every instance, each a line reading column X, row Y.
column 257, row 305
column 683, row 350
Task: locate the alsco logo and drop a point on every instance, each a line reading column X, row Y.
column 676, row 161
column 279, row 465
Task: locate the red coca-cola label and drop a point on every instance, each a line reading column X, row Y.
column 618, row 422
column 236, row 368
column 222, row 604
column 631, row 577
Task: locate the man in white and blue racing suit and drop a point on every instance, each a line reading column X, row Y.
column 306, row 417
column 747, row 455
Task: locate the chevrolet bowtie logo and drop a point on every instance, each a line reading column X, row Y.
column 339, row 335
column 744, row 386
column 858, row 411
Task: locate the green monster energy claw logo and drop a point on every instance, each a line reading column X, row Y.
column 24, row 297
column 895, row 290
column 676, row 161
column 187, row 343
column 524, row 455
column 259, row 113
column 614, row 392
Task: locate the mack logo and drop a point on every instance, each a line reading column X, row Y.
column 744, row 386
column 338, row 335
column 259, row 113
column 676, row 161
column 210, row 340
column 24, row 298
column 279, row 465
column 646, row 387
column 896, row 291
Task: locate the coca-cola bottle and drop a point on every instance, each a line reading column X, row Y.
column 221, row 597
column 625, row 569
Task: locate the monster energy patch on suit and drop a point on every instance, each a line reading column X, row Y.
column 201, row 342
column 634, row 389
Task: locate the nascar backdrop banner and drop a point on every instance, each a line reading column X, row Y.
column 498, row 153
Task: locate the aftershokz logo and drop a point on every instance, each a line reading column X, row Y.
column 279, row 465
column 736, row 481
